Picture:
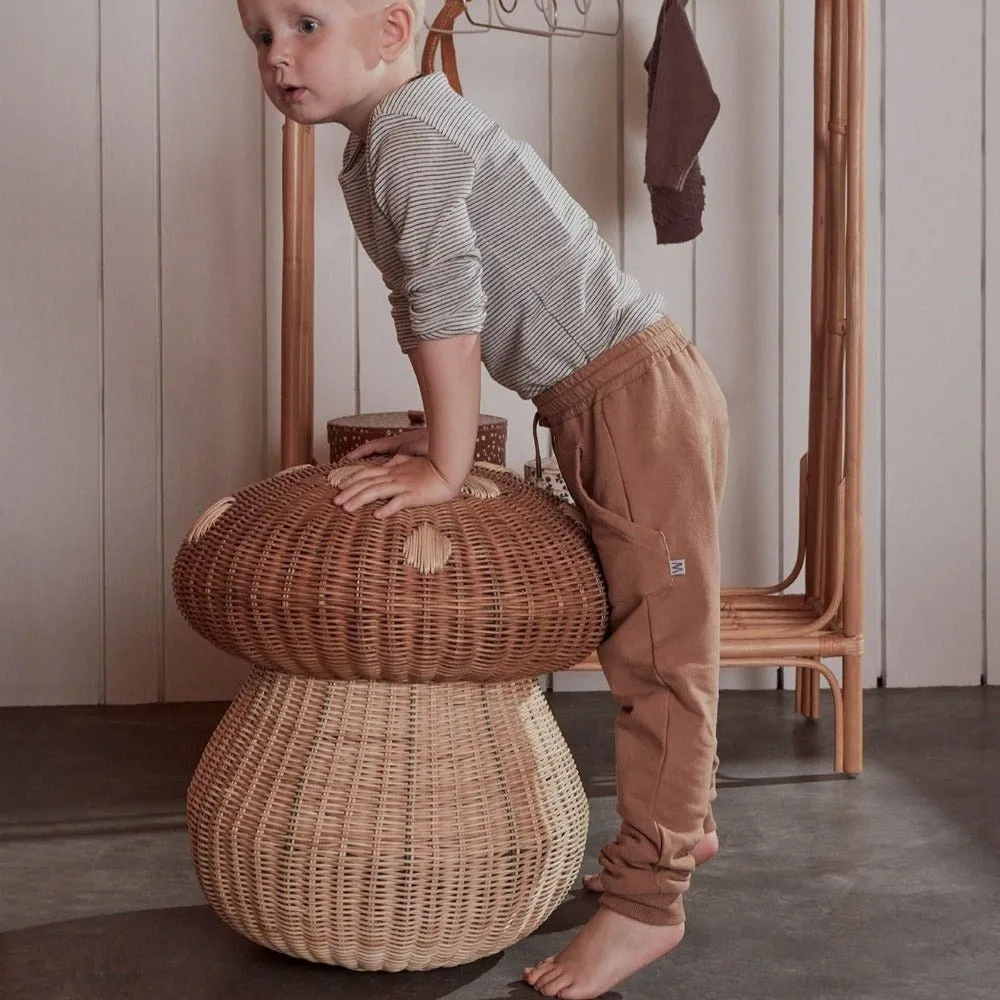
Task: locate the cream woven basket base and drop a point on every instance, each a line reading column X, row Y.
column 386, row 826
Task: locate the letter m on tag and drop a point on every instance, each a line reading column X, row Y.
column 677, row 567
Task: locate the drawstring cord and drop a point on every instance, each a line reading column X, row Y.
column 535, row 424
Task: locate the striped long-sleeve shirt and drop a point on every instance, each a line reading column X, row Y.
column 473, row 234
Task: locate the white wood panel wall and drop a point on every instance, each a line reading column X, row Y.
column 133, row 494
column 212, row 296
column 934, row 344
column 991, row 325
column 140, row 297
column 51, row 645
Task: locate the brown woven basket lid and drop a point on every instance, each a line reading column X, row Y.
column 497, row 584
column 344, row 434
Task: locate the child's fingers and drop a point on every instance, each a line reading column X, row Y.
column 353, row 484
column 380, row 446
column 399, row 502
column 381, row 489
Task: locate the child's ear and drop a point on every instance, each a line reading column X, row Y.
column 397, row 31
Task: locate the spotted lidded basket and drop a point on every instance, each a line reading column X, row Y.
column 344, row 434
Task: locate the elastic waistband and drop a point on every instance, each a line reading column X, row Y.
column 582, row 389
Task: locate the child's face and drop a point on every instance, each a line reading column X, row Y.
column 318, row 59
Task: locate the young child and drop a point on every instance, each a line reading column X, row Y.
column 488, row 260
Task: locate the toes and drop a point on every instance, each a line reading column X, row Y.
column 554, row 980
column 533, row 973
column 560, row 987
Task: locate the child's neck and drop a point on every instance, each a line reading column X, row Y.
column 398, row 74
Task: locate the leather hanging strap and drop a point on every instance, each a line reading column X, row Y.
column 441, row 37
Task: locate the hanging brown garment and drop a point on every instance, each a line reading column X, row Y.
column 682, row 108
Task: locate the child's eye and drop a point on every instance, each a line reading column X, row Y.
column 308, row 25
column 263, row 39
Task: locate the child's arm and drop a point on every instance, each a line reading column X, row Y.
column 421, row 181
column 448, row 373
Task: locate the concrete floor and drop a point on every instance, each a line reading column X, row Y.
column 883, row 887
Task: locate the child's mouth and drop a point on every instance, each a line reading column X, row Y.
column 293, row 94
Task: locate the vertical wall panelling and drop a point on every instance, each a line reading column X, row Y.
column 132, row 544
column 335, row 349
column 736, row 289
column 933, row 344
column 335, row 306
column 873, row 495
column 991, row 327
column 212, row 210
column 50, row 451
column 140, row 309
column 272, row 122
column 795, row 275
column 586, row 159
column 796, row 150
column 666, row 269
column 584, row 115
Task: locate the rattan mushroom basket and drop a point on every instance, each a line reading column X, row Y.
column 389, row 789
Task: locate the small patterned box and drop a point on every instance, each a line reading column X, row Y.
column 344, row 434
column 552, row 480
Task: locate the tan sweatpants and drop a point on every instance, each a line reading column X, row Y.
column 641, row 437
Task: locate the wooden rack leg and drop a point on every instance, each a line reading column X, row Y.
column 814, row 696
column 853, row 708
column 807, row 693
column 296, row 302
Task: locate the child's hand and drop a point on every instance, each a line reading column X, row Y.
column 404, row 481
column 413, row 442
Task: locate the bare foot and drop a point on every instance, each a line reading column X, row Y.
column 608, row 949
column 705, row 850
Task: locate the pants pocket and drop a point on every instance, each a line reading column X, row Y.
column 635, row 558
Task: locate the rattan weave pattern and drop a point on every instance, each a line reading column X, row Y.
column 286, row 579
column 386, row 826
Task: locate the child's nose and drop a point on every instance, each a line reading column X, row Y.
column 279, row 53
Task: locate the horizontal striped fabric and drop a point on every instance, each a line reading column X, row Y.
column 473, row 234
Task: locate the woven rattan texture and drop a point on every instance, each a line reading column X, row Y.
column 482, row 588
column 386, row 826
column 344, row 434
